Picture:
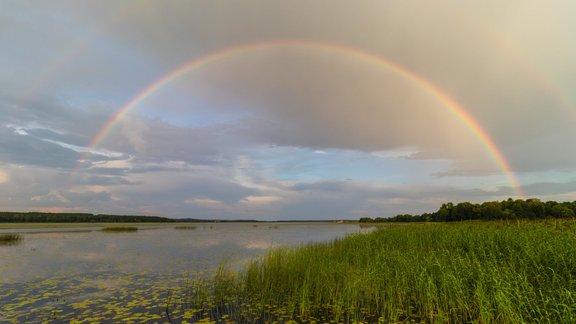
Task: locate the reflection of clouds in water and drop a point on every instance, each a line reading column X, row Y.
column 89, row 256
column 205, row 242
column 260, row 245
column 158, row 251
column 246, row 236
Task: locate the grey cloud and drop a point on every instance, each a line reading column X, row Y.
column 550, row 188
column 30, row 187
column 107, row 171
column 47, row 134
column 87, row 197
column 27, row 150
column 412, row 192
column 46, row 115
column 161, row 141
column 171, row 187
column 49, row 131
column 98, row 180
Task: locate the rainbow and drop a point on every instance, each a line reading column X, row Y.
column 454, row 107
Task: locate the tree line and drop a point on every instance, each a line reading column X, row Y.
column 39, row 217
column 509, row 209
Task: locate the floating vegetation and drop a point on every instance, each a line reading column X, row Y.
column 185, row 227
column 120, row 229
column 105, row 297
column 10, row 238
column 485, row 272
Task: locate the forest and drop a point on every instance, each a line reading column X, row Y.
column 42, row 217
column 509, row 209
column 39, row 217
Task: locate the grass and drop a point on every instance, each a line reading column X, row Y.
column 481, row 272
column 120, row 229
column 185, row 227
column 10, row 238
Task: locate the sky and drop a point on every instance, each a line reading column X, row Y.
column 284, row 110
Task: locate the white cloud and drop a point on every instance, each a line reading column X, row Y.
column 261, row 200
column 396, row 154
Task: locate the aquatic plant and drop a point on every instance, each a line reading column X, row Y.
column 465, row 272
column 136, row 298
column 185, row 227
column 10, row 238
column 120, row 229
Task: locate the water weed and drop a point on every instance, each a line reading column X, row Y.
column 10, row 238
column 185, row 227
column 120, row 229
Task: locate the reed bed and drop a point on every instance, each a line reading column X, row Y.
column 483, row 272
column 120, row 229
column 10, row 238
column 185, row 227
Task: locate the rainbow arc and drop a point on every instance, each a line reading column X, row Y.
column 448, row 102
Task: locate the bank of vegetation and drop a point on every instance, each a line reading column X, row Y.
column 121, row 229
column 509, row 209
column 185, row 227
column 10, row 238
column 485, row 272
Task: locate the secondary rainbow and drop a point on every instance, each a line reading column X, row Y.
column 454, row 107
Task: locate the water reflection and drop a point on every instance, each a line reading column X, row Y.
column 164, row 249
column 101, row 262
column 10, row 243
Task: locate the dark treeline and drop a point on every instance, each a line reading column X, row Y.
column 38, row 217
column 493, row 210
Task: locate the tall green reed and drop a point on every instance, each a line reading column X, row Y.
column 459, row 272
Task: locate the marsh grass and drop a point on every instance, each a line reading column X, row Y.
column 120, row 229
column 10, row 238
column 460, row 272
column 185, row 227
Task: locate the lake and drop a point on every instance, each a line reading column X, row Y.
column 63, row 275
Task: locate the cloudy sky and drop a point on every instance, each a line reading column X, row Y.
column 284, row 109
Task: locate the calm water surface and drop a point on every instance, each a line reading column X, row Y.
column 59, row 276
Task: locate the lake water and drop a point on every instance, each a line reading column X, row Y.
column 64, row 275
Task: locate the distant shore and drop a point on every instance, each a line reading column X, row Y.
column 87, row 218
